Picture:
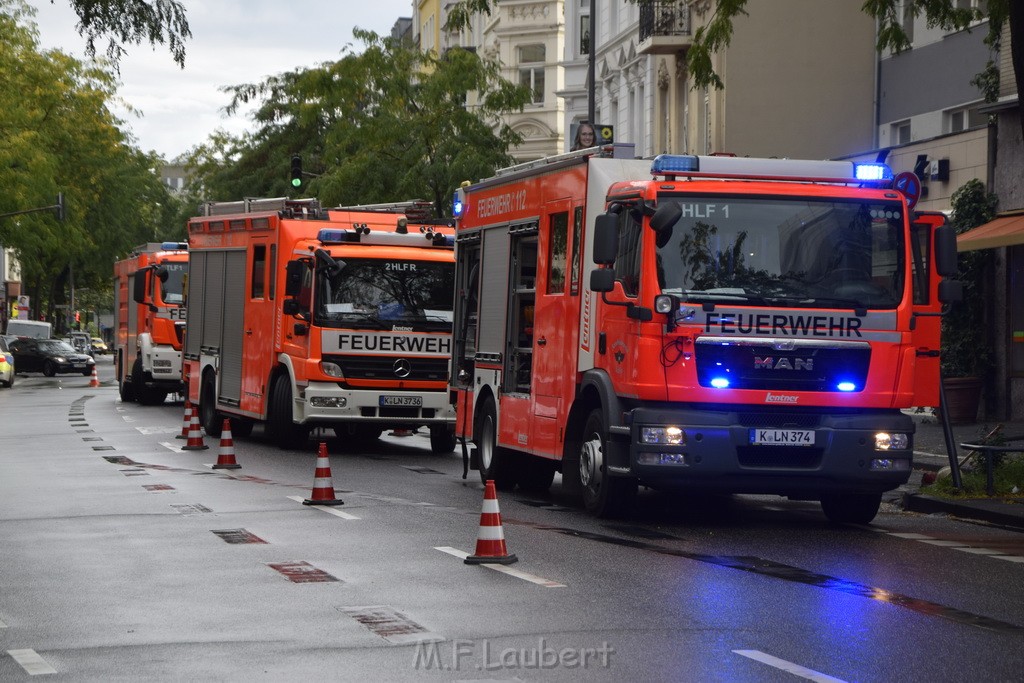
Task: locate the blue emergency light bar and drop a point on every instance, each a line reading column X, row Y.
column 335, row 236
column 174, row 246
column 745, row 167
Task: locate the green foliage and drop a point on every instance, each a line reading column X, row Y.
column 388, row 124
column 966, row 347
column 1007, row 480
column 133, row 21
column 57, row 134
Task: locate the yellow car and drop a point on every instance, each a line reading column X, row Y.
column 6, row 365
column 99, row 346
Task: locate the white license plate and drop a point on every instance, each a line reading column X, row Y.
column 79, row 366
column 401, row 401
column 782, row 437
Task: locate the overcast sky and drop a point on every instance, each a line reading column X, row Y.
column 233, row 42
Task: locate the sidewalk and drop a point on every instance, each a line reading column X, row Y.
column 930, row 454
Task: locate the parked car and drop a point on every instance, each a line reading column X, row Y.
column 6, row 365
column 99, row 346
column 50, row 357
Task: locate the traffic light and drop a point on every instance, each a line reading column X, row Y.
column 78, row 316
column 296, row 171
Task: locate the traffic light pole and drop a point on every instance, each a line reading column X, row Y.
column 58, row 208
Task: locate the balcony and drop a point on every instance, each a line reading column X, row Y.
column 665, row 27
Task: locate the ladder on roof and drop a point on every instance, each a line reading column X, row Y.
column 257, row 205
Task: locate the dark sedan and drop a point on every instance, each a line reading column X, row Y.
column 50, row 357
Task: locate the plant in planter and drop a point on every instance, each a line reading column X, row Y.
column 967, row 358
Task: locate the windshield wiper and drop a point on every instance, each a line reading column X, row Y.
column 370, row 319
column 859, row 307
column 713, row 297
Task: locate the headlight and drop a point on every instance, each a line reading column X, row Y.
column 673, row 436
column 332, row 370
column 886, row 441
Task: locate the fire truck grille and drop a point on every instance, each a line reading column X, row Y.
column 778, row 420
column 752, row 366
column 392, row 367
column 779, row 457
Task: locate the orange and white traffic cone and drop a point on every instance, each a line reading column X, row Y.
column 186, row 421
column 95, row 381
column 490, row 540
column 195, row 437
column 323, row 489
column 226, row 454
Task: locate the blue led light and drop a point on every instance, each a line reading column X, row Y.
column 328, row 235
column 872, row 172
column 674, row 163
column 720, row 383
column 846, row 386
column 174, row 246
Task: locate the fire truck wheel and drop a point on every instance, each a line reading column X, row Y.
column 603, row 496
column 124, row 387
column 208, row 418
column 442, row 440
column 241, row 427
column 850, row 508
column 536, row 474
column 495, row 463
column 143, row 394
column 283, row 431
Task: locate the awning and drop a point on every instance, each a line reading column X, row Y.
column 1005, row 230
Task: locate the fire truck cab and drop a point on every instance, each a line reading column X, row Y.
column 149, row 321
column 698, row 323
column 303, row 317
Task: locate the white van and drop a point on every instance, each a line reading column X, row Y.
column 37, row 329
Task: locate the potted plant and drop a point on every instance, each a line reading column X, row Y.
column 967, row 357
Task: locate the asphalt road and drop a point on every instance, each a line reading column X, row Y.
column 123, row 557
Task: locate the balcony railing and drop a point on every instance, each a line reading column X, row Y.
column 665, row 25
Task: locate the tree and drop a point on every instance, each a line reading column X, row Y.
column 386, row 124
column 717, row 32
column 132, row 21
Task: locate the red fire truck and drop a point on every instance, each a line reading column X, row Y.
column 149, row 321
column 302, row 317
column 697, row 322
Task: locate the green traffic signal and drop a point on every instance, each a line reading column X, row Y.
column 296, row 171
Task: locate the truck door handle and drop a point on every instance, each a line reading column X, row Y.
column 542, row 341
column 248, row 332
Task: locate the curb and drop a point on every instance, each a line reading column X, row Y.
column 981, row 510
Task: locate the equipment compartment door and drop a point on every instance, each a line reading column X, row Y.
column 233, row 321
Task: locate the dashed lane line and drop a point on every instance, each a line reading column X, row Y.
column 788, row 667
column 31, row 662
column 962, row 546
column 540, row 581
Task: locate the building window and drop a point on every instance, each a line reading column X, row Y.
column 964, row 118
column 900, row 134
column 585, row 34
column 531, row 71
column 908, row 20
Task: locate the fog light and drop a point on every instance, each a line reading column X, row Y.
column 679, row 459
column 884, row 441
column 669, row 435
column 890, row 465
column 328, row 401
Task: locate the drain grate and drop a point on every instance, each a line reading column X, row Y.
column 158, row 487
column 119, row 460
column 103, row 448
column 302, row 572
column 237, row 536
column 193, row 509
column 389, row 623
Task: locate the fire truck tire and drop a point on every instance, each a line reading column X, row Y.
column 603, row 496
column 283, row 431
column 209, row 419
column 536, row 474
column 495, row 463
column 241, row 427
column 850, row 508
column 124, row 387
column 442, row 440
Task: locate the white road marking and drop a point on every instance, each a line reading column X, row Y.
column 955, row 545
column 945, row 544
column 979, row 551
column 789, row 667
column 326, row 508
column 31, row 662
column 913, row 537
column 172, row 446
column 148, row 431
column 540, row 581
column 1009, row 558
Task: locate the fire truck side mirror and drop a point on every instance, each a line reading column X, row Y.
column 602, row 280
column 664, row 220
column 945, row 251
column 293, row 274
column 291, row 307
column 951, row 291
column 139, row 286
column 606, row 240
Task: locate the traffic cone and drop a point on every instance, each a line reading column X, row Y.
column 95, row 381
column 490, row 540
column 186, row 421
column 323, row 489
column 226, row 454
column 195, row 437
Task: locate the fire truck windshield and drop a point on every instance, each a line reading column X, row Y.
column 385, row 294
column 172, row 287
column 784, row 251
